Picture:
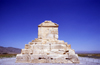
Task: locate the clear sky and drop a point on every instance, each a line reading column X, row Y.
column 79, row 22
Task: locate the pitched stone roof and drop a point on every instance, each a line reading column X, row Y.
column 48, row 24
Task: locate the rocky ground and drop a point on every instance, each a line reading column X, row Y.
column 83, row 61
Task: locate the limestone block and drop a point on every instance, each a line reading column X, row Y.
column 56, row 36
column 57, row 47
column 60, row 41
column 31, row 43
column 43, row 42
column 25, row 51
column 23, row 58
column 50, row 36
column 46, row 48
column 37, row 40
column 42, row 47
column 55, row 52
column 35, row 52
column 38, row 58
column 71, row 52
column 27, row 46
column 51, row 40
column 74, row 58
column 66, row 43
column 19, row 58
column 69, row 46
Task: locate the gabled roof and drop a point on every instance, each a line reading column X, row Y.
column 48, row 24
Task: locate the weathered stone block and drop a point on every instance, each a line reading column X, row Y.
column 27, row 46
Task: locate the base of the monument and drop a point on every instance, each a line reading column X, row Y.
column 45, row 59
column 53, row 51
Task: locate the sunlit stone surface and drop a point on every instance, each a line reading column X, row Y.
column 47, row 48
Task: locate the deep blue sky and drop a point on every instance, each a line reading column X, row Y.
column 79, row 22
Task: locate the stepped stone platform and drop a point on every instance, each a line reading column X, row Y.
column 47, row 48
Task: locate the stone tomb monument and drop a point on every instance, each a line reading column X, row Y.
column 47, row 48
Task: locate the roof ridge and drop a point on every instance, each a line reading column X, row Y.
column 48, row 23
